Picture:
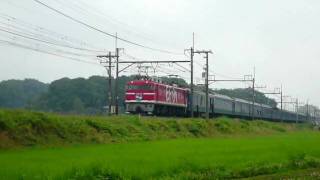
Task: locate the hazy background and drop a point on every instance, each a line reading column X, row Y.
column 279, row 38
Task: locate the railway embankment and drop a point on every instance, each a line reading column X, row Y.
column 21, row 128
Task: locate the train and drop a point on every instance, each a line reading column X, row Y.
column 156, row 98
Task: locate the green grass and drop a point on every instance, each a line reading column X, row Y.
column 36, row 145
column 222, row 157
column 19, row 128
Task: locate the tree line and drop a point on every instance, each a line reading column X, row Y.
column 84, row 96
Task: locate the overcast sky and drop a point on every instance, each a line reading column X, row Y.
column 279, row 37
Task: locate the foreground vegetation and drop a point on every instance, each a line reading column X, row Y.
column 24, row 128
column 35, row 145
column 202, row 158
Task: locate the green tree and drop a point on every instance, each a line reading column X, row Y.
column 78, row 105
column 20, row 93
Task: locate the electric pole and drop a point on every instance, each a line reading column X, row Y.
column 207, row 85
column 191, row 83
column 253, row 92
column 297, row 110
column 308, row 109
column 108, row 67
column 191, row 78
column 117, row 81
column 206, row 78
column 110, row 84
column 117, row 75
column 281, row 102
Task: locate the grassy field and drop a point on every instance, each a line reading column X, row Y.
column 223, row 157
column 36, row 145
column 20, row 128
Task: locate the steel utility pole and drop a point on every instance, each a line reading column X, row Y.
column 297, row 108
column 117, row 76
column 117, row 81
column 108, row 67
column 191, row 74
column 281, row 97
column 110, row 84
column 281, row 101
column 253, row 92
column 207, row 85
column 206, row 78
column 191, row 82
column 308, row 109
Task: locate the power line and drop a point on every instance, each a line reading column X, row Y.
column 96, row 12
column 44, row 41
column 155, row 61
column 103, row 14
column 45, row 52
column 186, row 69
column 26, row 41
column 27, row 32
column 103, row 32
column 214, row 73
column 47, row 32
column 38, row 35
column 14, row 38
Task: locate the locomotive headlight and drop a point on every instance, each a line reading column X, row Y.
column 139, row 97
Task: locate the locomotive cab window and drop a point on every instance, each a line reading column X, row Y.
column 140, row 87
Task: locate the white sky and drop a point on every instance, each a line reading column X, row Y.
column 279, row 37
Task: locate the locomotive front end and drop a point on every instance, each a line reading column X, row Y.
column 140, row 97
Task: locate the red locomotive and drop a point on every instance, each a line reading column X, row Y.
column 150, row 97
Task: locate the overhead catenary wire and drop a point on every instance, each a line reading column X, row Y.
column 142, row 59
column 104, row 32
column 26, row 42
column 29, row 33
column 177, row 64
column 48, row 33
column 46, row 52
column 44, row 41
column 98, row 14
column 103, row 14
column 186, row 69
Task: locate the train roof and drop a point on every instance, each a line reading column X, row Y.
column 141, row 82
column 235, row 99
column 222, row 96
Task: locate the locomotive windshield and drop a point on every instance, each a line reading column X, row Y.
column 140, row 87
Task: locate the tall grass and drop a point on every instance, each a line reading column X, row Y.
column 24, row 128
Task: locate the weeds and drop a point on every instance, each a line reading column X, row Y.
column 36, row 128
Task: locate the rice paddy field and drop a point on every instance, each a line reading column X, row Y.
column 258, row 150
